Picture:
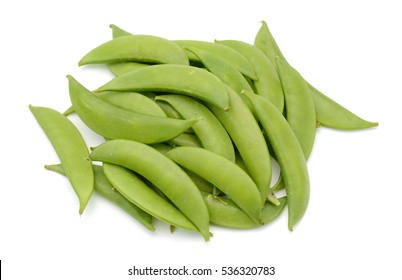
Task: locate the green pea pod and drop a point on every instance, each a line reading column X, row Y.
column 224, row 71
column 120, row 68
column 299, row 106
column 222, row 173
column 328, row 112
column 113, row 122
column 185, row 139
column 171, row 180
column 247, row 136
column 289, row 154
column 208, row 129
column 138, row 48
column 224, row 212
column 107, row 190
column 229, row 55
column 71, row 150
column 180, row 79
column 267, row 83
column 138, row 193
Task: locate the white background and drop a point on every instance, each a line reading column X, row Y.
column 351, row 50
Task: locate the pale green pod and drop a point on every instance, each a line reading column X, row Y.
column 138, row 48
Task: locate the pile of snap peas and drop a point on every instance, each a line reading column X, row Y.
column 191, row 130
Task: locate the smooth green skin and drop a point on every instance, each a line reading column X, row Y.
column 223, row 174
column 71, row 149
column 180, row 79
column 171, row 180
column 224, row 212
column 231, row 56
column 185, row 139
column 138, row 193
column 138, row 48
column 328, row 112
column 120, row 68
column 132, row 101
column 113, row 122
column 289, row 155
column 247, row 136
column 224, row 71
column 107, row 190
column 208, row 129
column 118, row 32
column 267, row 83
column 299, row 106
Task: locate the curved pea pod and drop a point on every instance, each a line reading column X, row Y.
column 108, row 191
column 138, row 193
column 229, row 55
column 299, row 106
column 328, row 112
column 208, row 129
column 167, row 176
column 223, row 174
column 113, row 122
column 224, row 212
column 224, row 71
column 247, row 136
column 267, row 83
column 138, row 48
column 120, row 68
column 180, row 79
column 71, row 150
column 289, row 155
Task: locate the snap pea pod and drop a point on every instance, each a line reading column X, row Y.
column 208, row 129
column 185, row 139
column 107, row 190
column 267, row 83
column 171, row 180
column 113, row 122
column 224, row 212
column 224, row 71
column 328, row 112
column 229, row 55
column 223, row 174
column 180, row 79
column 138, row 48
column 299, row 105
column 120, row 68
column 71, row 149
column 247, row 136
column 138, row 193
column 289, row 155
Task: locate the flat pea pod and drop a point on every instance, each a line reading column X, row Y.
column 224, row 212
column 108, row 191
column 167, row 176
column 328, row 112
column 247, row 136
column 223, row 174
column 228, row 54
column 299, row 106
column 180, row 79
column 120, row 68
column 138, row 193
column 267, row 83
column 71, row 150
column 289, row 155
column 113, row 122
column 208, row 129
column 224, row 71
column 138, row 48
